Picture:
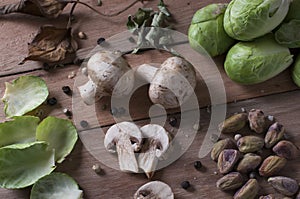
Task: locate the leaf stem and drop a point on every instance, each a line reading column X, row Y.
column 100, row 13
column 71, row 15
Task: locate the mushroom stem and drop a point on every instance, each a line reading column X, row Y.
column 146, row 72
column 126, row 156
column 148, row 161
column 88, row 92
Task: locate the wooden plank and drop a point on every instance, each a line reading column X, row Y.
column 118, row 185
column 18, row 29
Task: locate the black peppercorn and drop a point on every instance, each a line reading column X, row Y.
column 173, row 121
column 197, row 165
column 100, row 40
column 52, row 101
column 84, row 124
column 67, row 90
column 185, row 184
column 67, row 112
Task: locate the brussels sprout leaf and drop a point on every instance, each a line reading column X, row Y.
column 21, row 165
column 56, row 185
column 20, row 130
column 23, row 95
column 60, row 134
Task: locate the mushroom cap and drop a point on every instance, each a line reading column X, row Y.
column 154, row 190
column 173, row 83
column 123, row 130
column 105, row 69
column 158, row 136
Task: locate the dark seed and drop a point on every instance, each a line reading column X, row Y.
column 67, row 112
column 198, row 165
column 100, row 40
column 114, row 111
column 52, row 101
column 84, row 124
column 185, row 184
column 67, row 90
column 173, row 121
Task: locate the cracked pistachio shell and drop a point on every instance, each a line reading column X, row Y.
column 257, row 61
column 207, row 31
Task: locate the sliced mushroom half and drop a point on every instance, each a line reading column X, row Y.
column 154, row 190
column 156, row 143
column 125, row 138
column 171, row 84
column 108, row 72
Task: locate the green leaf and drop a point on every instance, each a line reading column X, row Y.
column 20, row 130
column 61, row 135
column 23, row 95
column 55, row 186
column 289, row 34
column 163, row 8
column 21, row 165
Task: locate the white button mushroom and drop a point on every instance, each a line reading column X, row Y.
column 171, row 84
column 154, row 190
column 125, row 138
column 156, row 144
column 105, row 69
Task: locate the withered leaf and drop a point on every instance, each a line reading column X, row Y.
column 46, row 8
column 52, row 45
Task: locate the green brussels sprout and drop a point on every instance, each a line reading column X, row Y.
column 293, row 12
column 207, row 31
column 296, row 72
column 289, row 34
column 257, row 61
column 246, row 20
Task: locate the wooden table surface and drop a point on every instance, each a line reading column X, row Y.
column 278, row 97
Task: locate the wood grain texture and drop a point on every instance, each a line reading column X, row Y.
column 118, row 185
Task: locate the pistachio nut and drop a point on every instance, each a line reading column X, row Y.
column 231, row 181
column 270, row 196
column 271, row 165
column 249, row 162
column 248, row 191
column 257, row 120
column 234, row 123
column 284, row 185
column 218, row 147
column 227, row 160
column 250, row 143
column 286, row 149
column 274, row 135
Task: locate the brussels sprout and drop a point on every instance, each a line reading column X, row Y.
column 206, row 30
column 257, row 61
column 23, row 95
column 55, row 186
column 289, row 34
column 296, row 72
column 248, row 19
column 293, row 12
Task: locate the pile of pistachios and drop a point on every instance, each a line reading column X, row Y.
column 262, row 153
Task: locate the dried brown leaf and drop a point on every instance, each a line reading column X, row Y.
column 52, row 45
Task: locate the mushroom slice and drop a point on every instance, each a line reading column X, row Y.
column 125, row 138
column 108, row 72
column 154, row 190
column 171, row 84
column 156, row 144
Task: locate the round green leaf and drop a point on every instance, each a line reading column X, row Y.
column 54, row 186
column 20, row 130
column 23, row 95
column 21, row 165
column 61, row 135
